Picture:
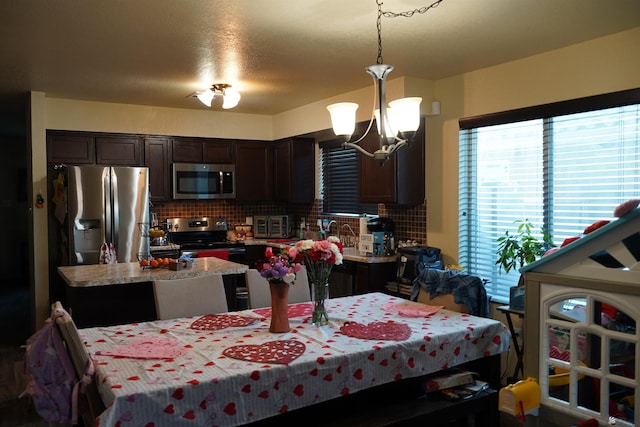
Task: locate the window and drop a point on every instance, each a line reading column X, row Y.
column 562, row 166
column 340, row 181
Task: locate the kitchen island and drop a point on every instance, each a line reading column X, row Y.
column 111, row 294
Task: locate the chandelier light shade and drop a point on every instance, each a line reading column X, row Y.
column 206, row 97
column 343, row 118
column 230, row 97
column 398, row 122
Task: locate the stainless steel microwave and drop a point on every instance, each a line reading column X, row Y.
column 204, row 181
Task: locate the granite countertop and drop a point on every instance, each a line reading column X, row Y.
column 131, row 272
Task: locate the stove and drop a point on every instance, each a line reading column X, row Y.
column 203, row 235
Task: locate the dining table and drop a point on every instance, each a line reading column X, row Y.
column 227, row 369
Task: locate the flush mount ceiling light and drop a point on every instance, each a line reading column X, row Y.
column 230, row 97
column 398, row 122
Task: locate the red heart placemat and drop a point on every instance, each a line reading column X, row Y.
column 412, row 310
column 391, row 331
column 148, row 348
column 282, row 351
column 213, row 322
column 293, row 310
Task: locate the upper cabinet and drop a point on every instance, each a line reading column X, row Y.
column 254, row 171
column 400, row 179
column 157, row 159
column 70, row 148
column 202, row 150
column 123, row 150
column 294, row 170
column 77, row 148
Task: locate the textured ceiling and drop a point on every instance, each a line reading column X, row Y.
column 280, row 54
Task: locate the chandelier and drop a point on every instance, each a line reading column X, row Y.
column 398, row 122
column 230, row 97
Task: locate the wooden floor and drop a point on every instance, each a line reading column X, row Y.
column 15, row 411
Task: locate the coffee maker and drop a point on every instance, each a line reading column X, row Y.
column 382, row 230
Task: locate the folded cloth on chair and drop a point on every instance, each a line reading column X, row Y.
column 466, row 288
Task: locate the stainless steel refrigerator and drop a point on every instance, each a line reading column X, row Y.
column 107, row 205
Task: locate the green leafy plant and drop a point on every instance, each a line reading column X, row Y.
column 517, row 250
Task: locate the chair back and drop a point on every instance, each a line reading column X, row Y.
column 445, row 300
column 192, row 296
column 257, row 289
column 300, row 291
column 260, row 296
column 79, row 356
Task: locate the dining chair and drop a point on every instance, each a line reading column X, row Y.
column 260, row 296
column 445, row 300
column 92, row 404
column 191, row 296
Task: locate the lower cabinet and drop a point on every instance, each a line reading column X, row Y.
column 372, row 277
column 354, row 278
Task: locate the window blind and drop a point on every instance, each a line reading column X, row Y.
column 561, row 172
column 339, row 180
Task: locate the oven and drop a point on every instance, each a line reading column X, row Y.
column 206, row 236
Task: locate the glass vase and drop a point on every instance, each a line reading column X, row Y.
column 319, row 294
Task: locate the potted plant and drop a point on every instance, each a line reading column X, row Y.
column 519, row 249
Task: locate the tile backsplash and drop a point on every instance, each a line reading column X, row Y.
column 410, row 221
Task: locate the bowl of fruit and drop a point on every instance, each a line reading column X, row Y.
column 149, row 262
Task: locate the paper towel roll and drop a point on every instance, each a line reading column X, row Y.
column 363, row 225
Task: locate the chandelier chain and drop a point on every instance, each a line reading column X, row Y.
column 389, row 14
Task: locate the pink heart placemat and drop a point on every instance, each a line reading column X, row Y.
column 391, row 331
column 293, row 310
column 214, row 322
column 282, row 351
column 148, row 348
column 412, row 310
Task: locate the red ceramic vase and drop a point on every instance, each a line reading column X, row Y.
column 279, row 310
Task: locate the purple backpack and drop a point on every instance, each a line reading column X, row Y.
column 52, row 380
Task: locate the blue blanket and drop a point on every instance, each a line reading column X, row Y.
column 466, row 289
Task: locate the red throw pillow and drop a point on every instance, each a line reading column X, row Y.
column 624, row 208
column 595, row 226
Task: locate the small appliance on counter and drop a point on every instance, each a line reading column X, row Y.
column 273, row 226
column 382, row 230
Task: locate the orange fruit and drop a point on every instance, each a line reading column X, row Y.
column 144, row 262
column 154, row 263
column 165, row 262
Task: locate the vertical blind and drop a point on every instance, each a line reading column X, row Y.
column 562, row 172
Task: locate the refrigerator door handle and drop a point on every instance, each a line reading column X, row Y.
column 116, row 209
column 108, row 214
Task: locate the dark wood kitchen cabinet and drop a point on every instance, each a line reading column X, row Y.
column 122, row 150
column 157, row 159
column 294, row 170
column 78, row 148
column 73, row 148
column 372, row 277
column 202, row 150
column 400, row 179
column 254, row 171
column 218, row 151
